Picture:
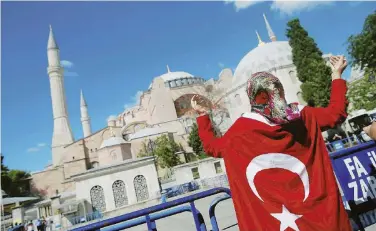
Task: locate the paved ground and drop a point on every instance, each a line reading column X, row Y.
column 225, row 214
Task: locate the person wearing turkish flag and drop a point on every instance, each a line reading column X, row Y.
column 280, row 174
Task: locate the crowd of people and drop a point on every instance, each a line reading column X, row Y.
column 38, row 225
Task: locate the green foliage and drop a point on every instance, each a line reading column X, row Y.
column 362, row 93
column 144, row 152
column 195, row 143
column 311, row 68
column 362, row 47
column 14, row 182
column 165, row 151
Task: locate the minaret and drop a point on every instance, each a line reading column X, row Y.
column 85, row 119
column 270, row 31
column 260, row 42
column 62, row 133
column 168, row 69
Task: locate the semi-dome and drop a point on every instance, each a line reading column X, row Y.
column 263, row 58
column 114, row 140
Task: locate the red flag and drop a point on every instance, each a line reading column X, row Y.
column 281, row 177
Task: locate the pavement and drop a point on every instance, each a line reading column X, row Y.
column 225, row 214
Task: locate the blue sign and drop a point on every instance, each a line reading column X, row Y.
column 338, row 145
column 355, row 169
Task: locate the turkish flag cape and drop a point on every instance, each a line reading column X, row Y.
column 280, row 176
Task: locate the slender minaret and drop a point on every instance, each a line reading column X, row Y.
column 270, row 31
column 168, row 69
column 260, row 42
column 62, row 134
column 85, row 119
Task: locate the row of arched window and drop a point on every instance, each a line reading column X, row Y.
column 119, row 192
column 184, row 81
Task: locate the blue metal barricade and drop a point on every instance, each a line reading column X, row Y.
column 149, row 215
column 355, row 169
column 213, row 219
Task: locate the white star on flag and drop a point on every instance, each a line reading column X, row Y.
column 287, row 219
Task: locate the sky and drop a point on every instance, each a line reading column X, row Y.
column 113, row 50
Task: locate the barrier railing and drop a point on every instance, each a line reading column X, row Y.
column 149, row 217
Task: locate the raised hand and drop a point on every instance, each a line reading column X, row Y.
column 339, row 64
column 198, row 105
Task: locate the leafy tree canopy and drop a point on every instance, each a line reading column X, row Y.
column 195, row 143
column 165, row 150
column 362, row 93
column 362, row 47
column 311, row 68
column 14, row 182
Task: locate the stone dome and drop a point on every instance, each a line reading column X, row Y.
column 263, row 58
column 175, row 75
column 112, row 141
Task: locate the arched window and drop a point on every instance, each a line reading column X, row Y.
column 238, row 101
column 97, row 198
column 178, row 82
column 113, row 155
column 292, row 77
column 94, row 164
column 190, row 81
column 172, row 84
column 120, row 193
column 185, row 81
column 141, row 188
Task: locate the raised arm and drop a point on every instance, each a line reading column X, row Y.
column 335, row 112
column 212, row 145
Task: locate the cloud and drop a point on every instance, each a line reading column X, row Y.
column 66, row 64
column 291, row 7
column 34, row 149
column 37, row 148
column 283, row 7
column 135, row 100
column 221, row 65
column 242, row 4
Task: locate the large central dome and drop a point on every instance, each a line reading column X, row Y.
column 263, row 58
column 175, row 75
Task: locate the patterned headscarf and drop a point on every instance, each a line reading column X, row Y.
column 267, row 97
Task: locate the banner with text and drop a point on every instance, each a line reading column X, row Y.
column 355, row 169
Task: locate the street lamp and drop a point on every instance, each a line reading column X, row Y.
column 151, row 146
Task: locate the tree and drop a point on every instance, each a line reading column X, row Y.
column 362, row 50
column 362, row 47
column 195, row 143
column 311, row 68
column 14, row 182
column 144, row 152
column 362, row 93
column 165, row 151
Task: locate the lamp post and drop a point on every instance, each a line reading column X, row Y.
column 151, row 146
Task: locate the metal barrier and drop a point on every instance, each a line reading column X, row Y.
column 213, row 219
column 149, row 217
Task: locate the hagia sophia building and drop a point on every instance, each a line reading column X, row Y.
column 90, row 167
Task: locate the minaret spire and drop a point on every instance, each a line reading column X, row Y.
column 62, row 133
column 51, row 40
column 168, row 69
column 260, row 42
column 85, row 119
column 270, row 31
